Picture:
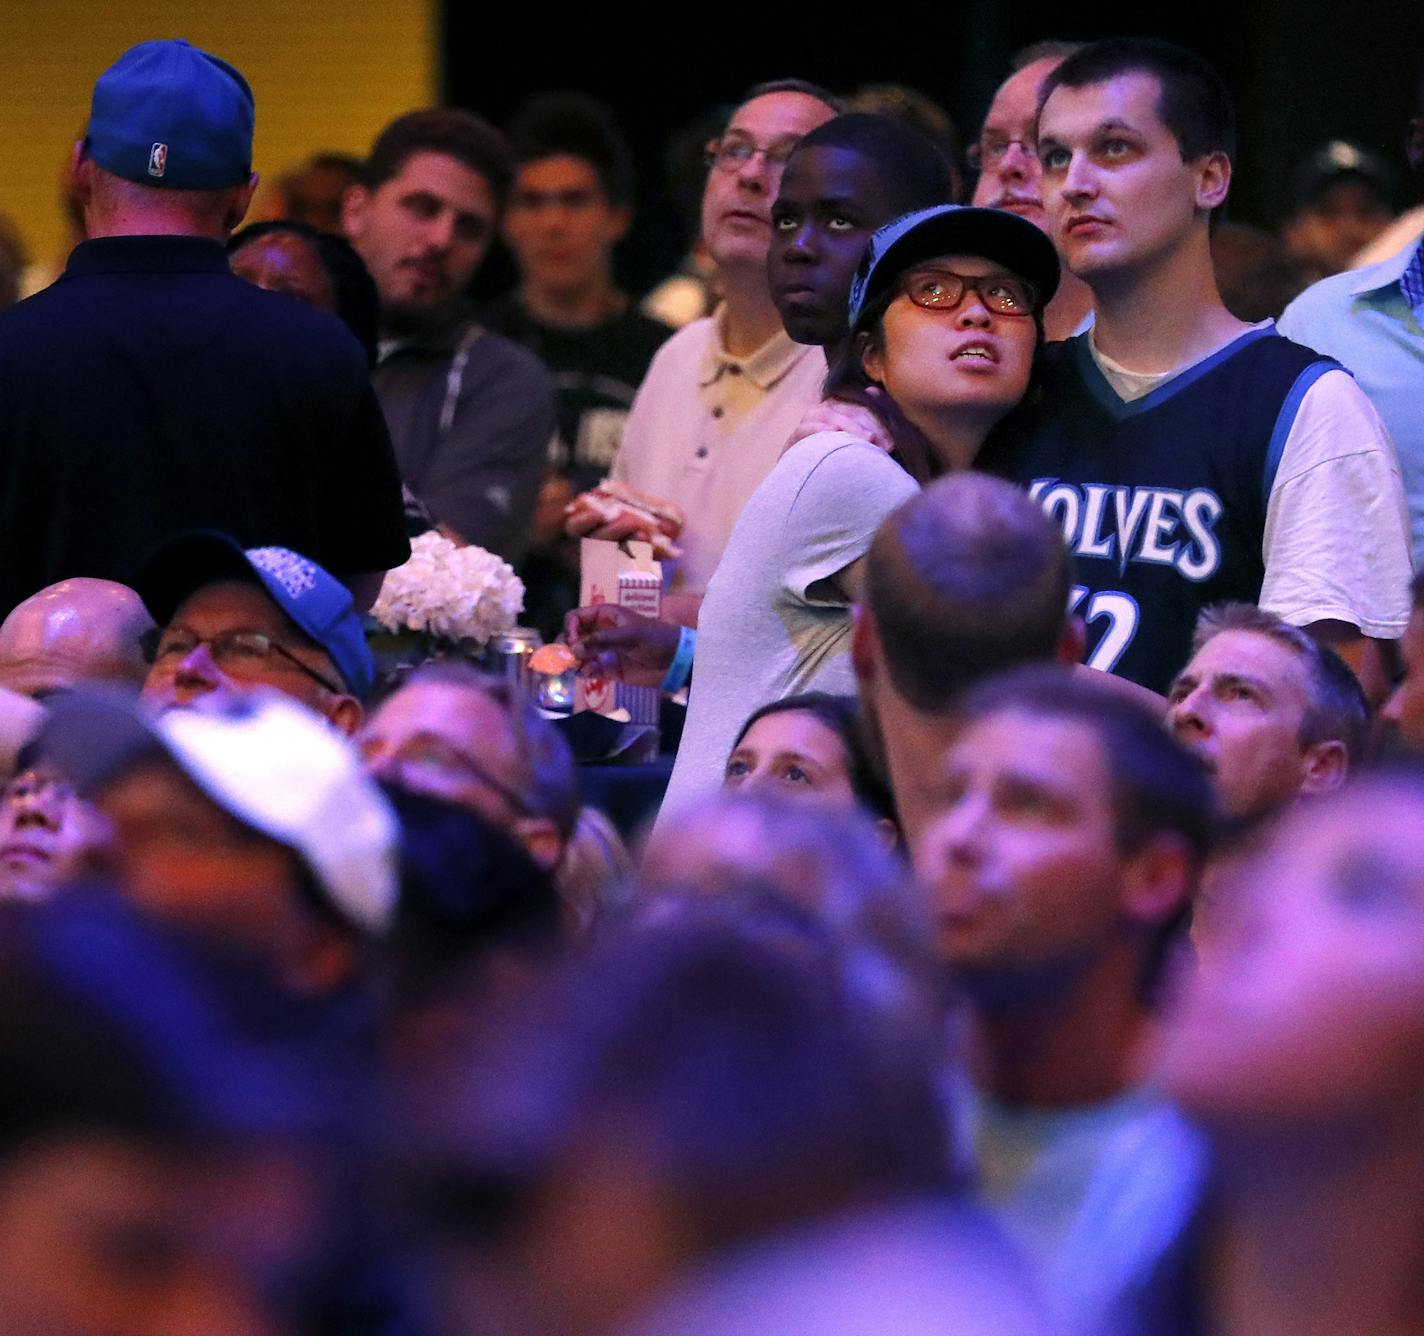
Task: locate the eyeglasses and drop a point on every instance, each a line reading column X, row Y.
column 944, row 290
column 245, row 655
column 433, row 756
column 991, row 152
column 732, row 152
column 34, row 784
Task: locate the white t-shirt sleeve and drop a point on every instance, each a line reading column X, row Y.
column 1336, row 544
column 836, row 511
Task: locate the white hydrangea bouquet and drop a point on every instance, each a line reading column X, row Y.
column 445, row 598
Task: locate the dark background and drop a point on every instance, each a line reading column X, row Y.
column 1301, row 72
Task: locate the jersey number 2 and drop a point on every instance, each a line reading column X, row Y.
column 1121, row 614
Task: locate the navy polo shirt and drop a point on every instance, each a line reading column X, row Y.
column 148, row 391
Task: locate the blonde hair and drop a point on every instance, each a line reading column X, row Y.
column 596, row 862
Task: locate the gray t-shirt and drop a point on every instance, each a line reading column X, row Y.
column 773, row 623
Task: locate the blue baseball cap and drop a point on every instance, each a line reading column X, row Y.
column 950, row 229
column 314, row 599
column 167, row 114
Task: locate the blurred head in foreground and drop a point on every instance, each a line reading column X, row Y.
column 1311, row 1019
column 248, row 821
column 157, row 1129
column 705, row 1077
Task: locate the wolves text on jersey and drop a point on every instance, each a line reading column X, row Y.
column 1160, row 526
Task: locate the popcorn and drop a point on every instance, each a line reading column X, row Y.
column 455, row 593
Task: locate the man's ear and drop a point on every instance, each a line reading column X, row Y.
column 540, row 838
column 620, row 219
column 1327, row 766
column 1213, row 180
column 353, row 211
column 346, row 714
column 81, row 174
column 241, row 202
column 1159, row 880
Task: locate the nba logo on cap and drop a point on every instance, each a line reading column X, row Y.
column 158, row 160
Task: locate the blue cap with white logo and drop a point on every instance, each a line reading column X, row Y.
column 167, row 114
column 314, row 599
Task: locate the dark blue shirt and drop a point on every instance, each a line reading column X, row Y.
column 148, row 391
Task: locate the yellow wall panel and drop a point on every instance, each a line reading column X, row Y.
column 326, row 74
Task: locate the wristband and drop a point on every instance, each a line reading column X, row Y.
column 681, row 667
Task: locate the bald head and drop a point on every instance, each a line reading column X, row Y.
column 966, row 579
column 78, row 630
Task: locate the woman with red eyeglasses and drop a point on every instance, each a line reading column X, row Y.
column 945, row 320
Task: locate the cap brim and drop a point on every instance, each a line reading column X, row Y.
column 184, row 564
column 93, row 735
column 995, row 234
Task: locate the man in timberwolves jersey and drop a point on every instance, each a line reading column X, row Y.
column 1190, row 458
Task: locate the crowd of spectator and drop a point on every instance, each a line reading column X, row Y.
column 1030, row 938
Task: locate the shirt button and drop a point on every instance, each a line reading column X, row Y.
column 717, row 412
column 702, row 452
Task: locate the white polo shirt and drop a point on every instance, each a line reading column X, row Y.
column 707, row 427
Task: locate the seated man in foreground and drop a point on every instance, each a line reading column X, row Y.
column 230, row 619
column 476, row 741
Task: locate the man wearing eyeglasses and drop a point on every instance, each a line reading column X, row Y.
column 478, row 742
column 723, row 394
column 229, row 620
column 1006, row 158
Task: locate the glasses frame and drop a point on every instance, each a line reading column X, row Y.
column 461, row 764
column 968, row 284
column 977, row 156
column 715, row 157
column 152, row 641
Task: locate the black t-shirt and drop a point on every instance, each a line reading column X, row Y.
column 149, row 391
column 596, row 372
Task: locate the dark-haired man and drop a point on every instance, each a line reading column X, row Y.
column 846, row 178
column 150, row 391
column 570, row 205
column 1271, row 712
column 1189, row 457
column 1069, row 837
column 1006, row 157
column 471, row 415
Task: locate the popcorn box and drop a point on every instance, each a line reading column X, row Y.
column 601, row 563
